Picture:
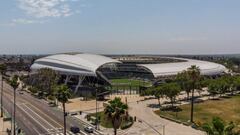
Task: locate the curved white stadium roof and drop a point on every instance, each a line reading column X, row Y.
column 168, row 69
column 79, row 64
column 87, row 64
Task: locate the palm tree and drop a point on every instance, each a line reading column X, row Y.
column 217, row 127
column 194, row 76
column 63, row 94
column 2, row 70
column 14, row 83
column 114, row 110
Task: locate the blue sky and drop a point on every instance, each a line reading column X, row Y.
column 120, row 26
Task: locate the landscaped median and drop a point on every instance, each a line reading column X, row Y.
column 106, row 122
column 227, row 108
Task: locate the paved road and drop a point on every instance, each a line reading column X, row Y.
column 36, row 117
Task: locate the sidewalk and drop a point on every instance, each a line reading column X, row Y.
column 4, row 125
column 149, row 123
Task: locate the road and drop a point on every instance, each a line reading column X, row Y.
column 36, row 117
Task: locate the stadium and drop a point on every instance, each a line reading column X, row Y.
column 84, row 72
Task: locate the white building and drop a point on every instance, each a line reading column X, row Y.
column 88, row 65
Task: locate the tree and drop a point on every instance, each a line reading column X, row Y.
column 14, row 83
column 213, row 88
column 156, row 91
column 194, row 76
column 218, row 127
column 2, row 70
column 115, row 110
column 46, row 78
column 236, row 83
column 171, row 90
column 53, row 96
column 200, row 85
column 224, row 86
column 184, row 82
column 159, row 93
column 63, row 94
column 230, row 83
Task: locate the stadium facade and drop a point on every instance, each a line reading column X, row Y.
column 79, row 70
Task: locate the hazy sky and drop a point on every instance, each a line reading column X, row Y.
column 120, row 26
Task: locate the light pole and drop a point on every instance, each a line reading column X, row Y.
column 96, row 110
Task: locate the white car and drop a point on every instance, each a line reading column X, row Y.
column 89, row 129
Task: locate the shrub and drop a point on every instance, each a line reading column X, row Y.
column 33, row 90
column 126, row 125
column 88, row 118
column 51, row 97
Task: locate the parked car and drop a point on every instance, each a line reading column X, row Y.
column 88, row 129
column 75, row 129
column 74, row 113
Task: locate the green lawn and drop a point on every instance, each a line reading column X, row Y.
column 226, row 108
column 129, row 82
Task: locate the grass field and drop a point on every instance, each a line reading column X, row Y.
column 126, row 84
column 129, row 82
column 226, row 108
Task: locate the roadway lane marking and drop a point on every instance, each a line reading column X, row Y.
column 36, row 130
column 33, row 118
column 26, row 102
column 83, row 132
column 21, row 103
column 44, row 114
column 39, row 116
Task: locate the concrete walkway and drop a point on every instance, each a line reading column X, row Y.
column 155, row 125
column 148, row 123
column 3, row 126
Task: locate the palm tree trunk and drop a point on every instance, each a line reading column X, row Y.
column 14, row 112
column 115, row 131
column 192, row 102
column 159, row 103
column 64, row 118
column 2, row 98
